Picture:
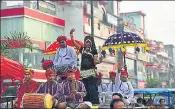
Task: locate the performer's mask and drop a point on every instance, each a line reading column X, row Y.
column 62, row 43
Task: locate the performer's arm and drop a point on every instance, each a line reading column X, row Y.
column 56, row 58
column 39, row 90
column 73, row 41
column 74, row 57
column 96, row 59
column 58, row 91
column 35, row 87
column 131, row 94
column 82, row 93
column 109, row 87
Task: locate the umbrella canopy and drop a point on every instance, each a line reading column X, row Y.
column 52, row 48
column 123, row 39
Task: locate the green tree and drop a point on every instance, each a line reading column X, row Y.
column 13, row 41
column 153, row 83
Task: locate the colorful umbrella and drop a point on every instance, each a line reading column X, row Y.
column 52, row 48
column 122, row 40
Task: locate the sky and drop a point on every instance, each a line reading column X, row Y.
column 159, row 20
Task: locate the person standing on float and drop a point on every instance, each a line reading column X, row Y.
column 89, row 60
column 65, row 57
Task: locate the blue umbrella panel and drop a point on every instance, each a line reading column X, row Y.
column 122, row 40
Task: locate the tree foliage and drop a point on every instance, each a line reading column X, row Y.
column 153, row 83
column 13, row 41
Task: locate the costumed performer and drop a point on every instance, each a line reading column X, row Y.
column 89, row 60
column 112, row 85
column 72, row 91
column 65, row 56
column 51, row 87
column 29, row 85
column 101, row 87
column 123, row 86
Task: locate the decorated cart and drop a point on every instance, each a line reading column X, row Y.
column 14, row 71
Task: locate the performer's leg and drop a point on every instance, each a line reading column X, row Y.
column 85, row 81
column 93, row 90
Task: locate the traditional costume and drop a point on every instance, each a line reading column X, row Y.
column 29, row 86
column 88, row 72
column 124, row 87
column 65, row 57
column 112, row 86
column 50, row 87
column 46, row 64
column 101, row 87
column 72, row 85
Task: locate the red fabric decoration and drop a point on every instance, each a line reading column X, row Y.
column 46, row 63
column 60, row 38
column 124, row 72
column 112, row 73
column 77, row 74
column 49, row 72
column 99, row 75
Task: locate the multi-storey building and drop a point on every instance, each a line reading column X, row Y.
column 158, row 61
column 134, row 22
column 44, row 21
column 105, row 22
column 171, row 53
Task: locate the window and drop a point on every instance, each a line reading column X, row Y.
column 130, row 66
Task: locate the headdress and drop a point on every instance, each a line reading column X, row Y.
column 46, row 63
column 30, row 71
column 99, row 75
column 124, row 72
column 112, row 74
column 71, row 70
column 49, row 72
column 91, row 40
column 60, row 38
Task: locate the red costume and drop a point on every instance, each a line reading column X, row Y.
column 29, row 86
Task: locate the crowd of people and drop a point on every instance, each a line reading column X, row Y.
column 71, row 87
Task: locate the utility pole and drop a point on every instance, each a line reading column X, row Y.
column 92, row 18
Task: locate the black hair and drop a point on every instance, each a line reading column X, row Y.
column 92, row 41
column 118, row 94
column 139, row 100
column 162, row 99
column 114, row 101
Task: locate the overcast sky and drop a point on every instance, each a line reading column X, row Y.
column 160, row 18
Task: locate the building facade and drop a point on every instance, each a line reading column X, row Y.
column 44, row 21
column 171, row 54
column 105, row 23
column 158, row 62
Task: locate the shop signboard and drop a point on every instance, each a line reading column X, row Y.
column 112, row 19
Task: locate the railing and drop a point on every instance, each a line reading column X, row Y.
column 7, row 102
